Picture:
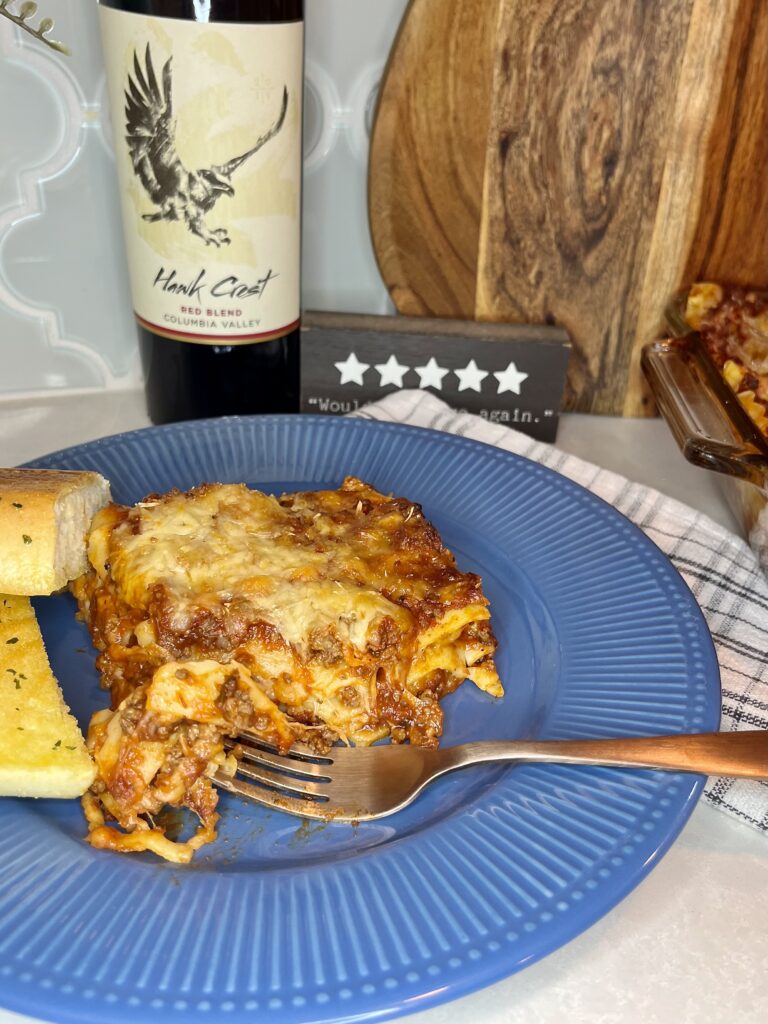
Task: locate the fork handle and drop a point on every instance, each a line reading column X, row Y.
column 736, row 754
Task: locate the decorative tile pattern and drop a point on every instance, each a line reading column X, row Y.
column 65, row 314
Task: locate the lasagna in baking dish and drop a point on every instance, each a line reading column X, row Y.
column 733, row 324
column 316, row 617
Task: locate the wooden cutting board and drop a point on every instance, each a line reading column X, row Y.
column 428, row 155
column 622, row 150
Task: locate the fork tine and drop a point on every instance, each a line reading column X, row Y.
column 305, row 770
column 289, row 784
column 272, row 798
column 298, row 751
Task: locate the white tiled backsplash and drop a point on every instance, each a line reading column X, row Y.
column 65, row 315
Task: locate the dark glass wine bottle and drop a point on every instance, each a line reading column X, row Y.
column 206, row 101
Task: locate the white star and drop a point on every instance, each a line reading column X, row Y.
column 510, row 379
column 392, row 372
column 352, row 370
column 431, row 375
column 471, row 377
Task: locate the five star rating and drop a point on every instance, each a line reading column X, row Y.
column 431, row 375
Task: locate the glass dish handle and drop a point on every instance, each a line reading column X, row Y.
column 705, row 417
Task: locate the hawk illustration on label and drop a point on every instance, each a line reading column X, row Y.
column 179, row 194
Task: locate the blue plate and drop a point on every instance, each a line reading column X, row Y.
column 283, row 921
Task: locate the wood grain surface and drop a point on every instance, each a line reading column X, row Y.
column 731, row 240
column 626, row 155
column 584, row 97
column 428, row 155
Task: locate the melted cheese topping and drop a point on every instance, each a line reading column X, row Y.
column 702, row 298
column 734, row 376
column 228, row 543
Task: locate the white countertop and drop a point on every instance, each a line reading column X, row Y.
column 690, row 943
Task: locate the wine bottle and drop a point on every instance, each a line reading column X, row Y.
column 206, row 105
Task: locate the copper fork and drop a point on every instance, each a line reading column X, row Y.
column 362, row 783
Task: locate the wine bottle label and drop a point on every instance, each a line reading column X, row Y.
column 206, row 122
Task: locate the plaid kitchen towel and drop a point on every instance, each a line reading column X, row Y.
column 719, row 567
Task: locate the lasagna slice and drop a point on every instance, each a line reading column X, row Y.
column 733, row 324
column 314, row 617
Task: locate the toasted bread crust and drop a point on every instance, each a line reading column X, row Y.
column 44, row 518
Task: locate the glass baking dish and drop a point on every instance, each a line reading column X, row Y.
column 712, row 428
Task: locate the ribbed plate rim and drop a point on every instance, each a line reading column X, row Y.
column 405, row 998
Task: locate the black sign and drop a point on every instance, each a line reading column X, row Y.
column 507, row 373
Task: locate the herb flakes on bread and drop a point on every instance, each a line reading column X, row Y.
column 42, row 751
